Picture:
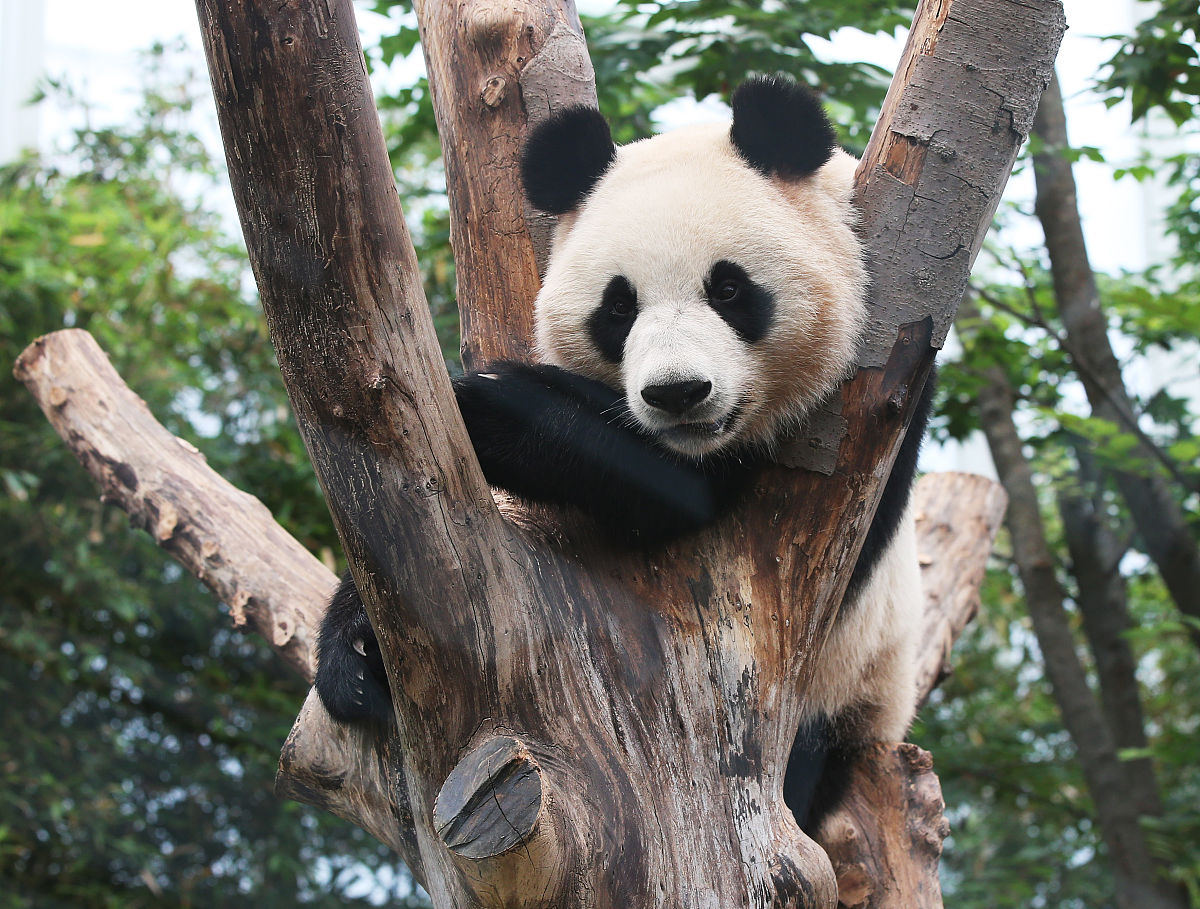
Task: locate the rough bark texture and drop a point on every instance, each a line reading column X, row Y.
column 957, row 520
column 360, row 777
column 1134, row 867
column 895, row 802
column 655, row 696
column 170, row 492
column 494, row 68
column 1159, row 519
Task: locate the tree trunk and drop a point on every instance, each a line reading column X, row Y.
column 632, row 713
column 1160, row 520
column 494, row 69
column 1104, row 607
column 1138, row 885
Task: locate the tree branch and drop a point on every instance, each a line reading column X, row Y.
column 220, row 534
column 494, row 69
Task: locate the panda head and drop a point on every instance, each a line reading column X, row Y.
column 711, row 273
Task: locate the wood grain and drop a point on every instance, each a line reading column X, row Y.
column 496, row 68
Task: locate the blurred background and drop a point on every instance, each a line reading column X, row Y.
column 139, row 734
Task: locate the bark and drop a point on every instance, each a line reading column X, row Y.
column 645, row 704
column 347, row 771
column 1156, row 513
column 895, row 800
column 954, row 543
column 494, row 68
column 1104, row 607
column 1133, row 864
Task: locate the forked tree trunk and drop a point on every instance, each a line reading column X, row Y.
column 582, row 728
column 576, row 728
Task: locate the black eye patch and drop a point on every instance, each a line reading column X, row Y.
column 746, row 307
column 610, row 322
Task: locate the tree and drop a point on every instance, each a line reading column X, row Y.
column 309, row 248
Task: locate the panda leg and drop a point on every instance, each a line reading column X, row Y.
column 351, row 680
column 818, row 774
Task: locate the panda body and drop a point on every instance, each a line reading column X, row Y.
column 705, row 290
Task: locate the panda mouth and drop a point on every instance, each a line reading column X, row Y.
column 705, row 429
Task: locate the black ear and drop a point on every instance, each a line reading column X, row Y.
column 779, row 127
column 564, row 157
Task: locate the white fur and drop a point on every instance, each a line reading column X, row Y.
column 667, row 211
column 868, row 666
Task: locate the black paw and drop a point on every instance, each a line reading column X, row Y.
column 351, row 680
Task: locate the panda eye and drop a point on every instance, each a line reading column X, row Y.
column 621, row 306
column 620, row 298
column 727, row 291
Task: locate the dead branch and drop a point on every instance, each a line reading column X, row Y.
column 220, row 534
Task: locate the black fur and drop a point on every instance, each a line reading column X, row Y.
column 610, row 322
column 817, row 774
column 352, row 685
column 780, row 128
column 751, row 307
column 564, row 157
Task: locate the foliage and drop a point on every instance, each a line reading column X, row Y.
column 142, row 735
column 1158, row 66
column 1023, row 834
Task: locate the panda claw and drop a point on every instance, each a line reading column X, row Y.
column 360, row 647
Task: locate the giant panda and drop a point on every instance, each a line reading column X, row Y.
column 704, row 292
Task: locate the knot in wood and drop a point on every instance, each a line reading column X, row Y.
column 494, row 90
column 491, row 800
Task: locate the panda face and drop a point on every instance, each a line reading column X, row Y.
column 724, row 303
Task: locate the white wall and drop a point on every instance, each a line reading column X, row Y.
column 22, row 44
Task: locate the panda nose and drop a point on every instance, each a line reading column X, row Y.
column 676, row 397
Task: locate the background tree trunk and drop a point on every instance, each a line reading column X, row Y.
column 1104, row 606
column 1159, row 519
column 1118, row 807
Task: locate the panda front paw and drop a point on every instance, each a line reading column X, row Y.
column 351, row 680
